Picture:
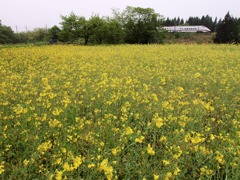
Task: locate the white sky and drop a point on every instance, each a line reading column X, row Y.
column 41, row 13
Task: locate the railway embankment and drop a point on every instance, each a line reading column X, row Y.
column 189, row 38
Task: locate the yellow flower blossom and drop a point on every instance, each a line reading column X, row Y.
column 163, row 138
column 114, row 151
column 197, row 75
column 205, row 171
column 67, row 167
column 150, row 150
column 2, row 167
column 197, row 139
column 91, row 165
column 159, row 122
column 77, row 161
column 165, row 162
column 176, row 171
column 59, row 175
column 168, row 176
column 25, row 162
column 57, row 111
column 54, row 123
column 140, row 139
column 42, row 148
column 108, row 170
column 128, row 131
column 45, row 81
column 155, row 176
column 220, row 158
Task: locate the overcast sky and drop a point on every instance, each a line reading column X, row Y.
column 29, row 14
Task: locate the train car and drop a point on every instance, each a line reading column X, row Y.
column 186, row 29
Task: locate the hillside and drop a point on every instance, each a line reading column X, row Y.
column 189, row 38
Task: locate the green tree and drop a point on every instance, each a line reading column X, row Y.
column 54, row 34
column 228, row 30
column 38, row 35
column 97, row 29
column 115, row 33
column 22, row 37
column 140, row 24
column 7, row 35
column 72, row 28
column 86, row 32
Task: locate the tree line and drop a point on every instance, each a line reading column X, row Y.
column 133, row 25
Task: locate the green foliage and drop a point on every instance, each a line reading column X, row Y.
column 98, row 29
column 54, row 34
column 38, row 34
column 115, row 34
column 173, row 22
column 72, row 27
column 23, row 37
column 228, row 30
column 140, row 25
column 7, row 35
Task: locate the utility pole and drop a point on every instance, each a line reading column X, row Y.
column 26, row 28
column 16, row 29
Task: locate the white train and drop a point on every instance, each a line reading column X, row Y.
column 186, row 29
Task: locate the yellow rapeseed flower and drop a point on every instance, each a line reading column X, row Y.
column 25, row 162
column 176, row 171
column 128, row 131
column 42, row 148
column 108, row 170
column 59, row 175
column 91, row 165
column 140, row 139
column 159, row 122
column 150, row 150
column 77, row 161
column 155, row 176
column 2, row 167
column 165, row 162
column 114, row 151
column 168, row 176
column 67, row 167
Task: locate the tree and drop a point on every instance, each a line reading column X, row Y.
column 97, row 29
column 168, row 22
column 22, row 37
column 141, row 25
column 54, row 34
column 86, row 32
column 228, row 30
column 7, row 35
column 214, row 25
column 38, row 34
column 72, row 27
column 115, row 33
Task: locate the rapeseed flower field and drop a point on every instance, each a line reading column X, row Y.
column 120, row 112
